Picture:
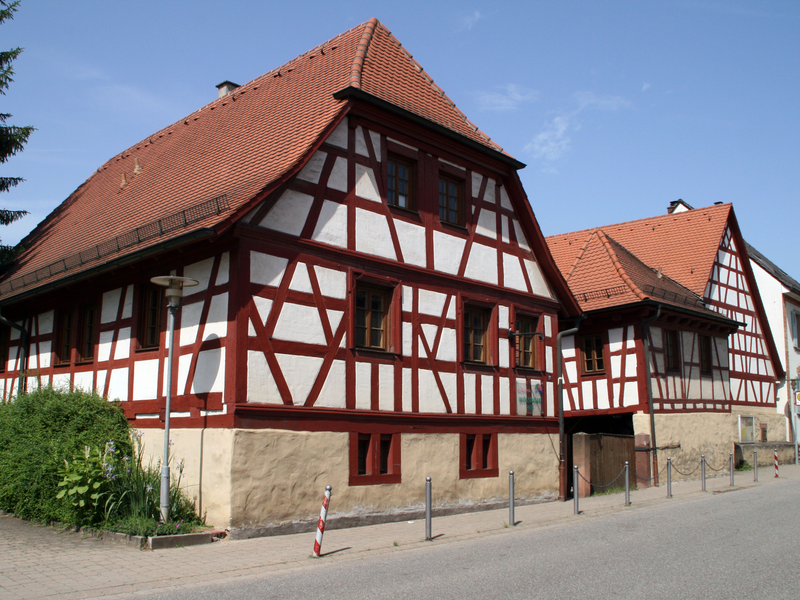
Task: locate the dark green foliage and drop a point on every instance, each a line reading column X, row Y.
column 12, row 137
column 38, row 431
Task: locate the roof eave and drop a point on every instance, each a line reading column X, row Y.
column 188, row 238
column 724, row 321
column 359, row 94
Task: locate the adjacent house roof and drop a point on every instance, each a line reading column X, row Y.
column 196, row 176
column 770, row 267
column 682, row 245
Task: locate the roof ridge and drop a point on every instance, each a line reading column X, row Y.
column 361, row 52
column 618, row 265
column 437, row 88
column 675, row 215
column 581, row 252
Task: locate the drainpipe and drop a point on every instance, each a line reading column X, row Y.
column 23, row 350
column 646, row 342
column 562, row 464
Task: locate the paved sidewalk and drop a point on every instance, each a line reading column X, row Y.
column 40, row 562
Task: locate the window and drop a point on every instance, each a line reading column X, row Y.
column 374, row 458
column 451, row 201
column 5, row 334
column 372, row 317
column 671, row 350
column 592, row 355
column 476, row 322
column 478, row 455
column 86, row 337
column 527, row 345
column 796, row 329
column 64, row 348
column 705, row 354
column 150, row 317
column 400, row 183
column 747, row 428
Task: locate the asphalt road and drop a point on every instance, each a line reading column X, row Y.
column 738, row 544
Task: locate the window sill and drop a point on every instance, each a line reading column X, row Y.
column 477, row 473
column 375, row 353
column 594, row 374
column 374, row 479
column 457, row 227
column 407, row 212
column 478, row 367
column 529, row 371
column 149, row 349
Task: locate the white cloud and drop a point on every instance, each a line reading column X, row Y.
column 555, row 139
column 509, row 98
column 469, row 21
column 646, row 86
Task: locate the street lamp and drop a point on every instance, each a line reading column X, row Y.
column 173, row 293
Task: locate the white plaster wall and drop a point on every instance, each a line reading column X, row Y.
column 266, row 269
column 287, row 328
column 373, row 235
column 331, row 226
column 412, row 242
column 311, row 171
column 145, row 379
column 338, row 136
column 289, row 213
column 300, row 373
column 366, row 185
column 482, row 264
column 261, row 387
column 333, row 393
column 447, row 251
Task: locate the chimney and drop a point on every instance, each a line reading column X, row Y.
column 225, row 88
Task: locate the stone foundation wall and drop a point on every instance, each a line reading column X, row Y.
column 691, row 435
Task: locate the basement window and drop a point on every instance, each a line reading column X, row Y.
column 374, row 458
column 478, row 455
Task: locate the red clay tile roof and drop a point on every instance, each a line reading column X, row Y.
column 684, row 245
column 208, row 167
column 608, row 275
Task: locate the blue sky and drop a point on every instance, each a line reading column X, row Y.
column 617, row 108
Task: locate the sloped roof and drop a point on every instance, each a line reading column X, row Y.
column 200, row 173
column 608, row 275
column 683, row 245
column 770, row 267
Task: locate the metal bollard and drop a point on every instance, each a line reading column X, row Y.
column 427, row 508
column 575, row 492
column 511, row 520
column 627, row 485
column 755, row 465
column 323, row 514
column 669, row 477
column 731, row 469
column 703, row 470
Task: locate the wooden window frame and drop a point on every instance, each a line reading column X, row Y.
column 460, row 216
column 5, row 340
column 527, row 324
column 65, row 337
column 478, row 456
column 149, row 319
column 411, row 193
column 704, row 346
column 370, row 454
column 468, row 336
column 87, row 333
column 593, row 364
column 386, row 316
column 672, row 350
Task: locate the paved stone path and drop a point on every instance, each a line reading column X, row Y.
column 41, row 562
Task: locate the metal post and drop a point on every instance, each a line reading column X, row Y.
column 323, row 515
column 575, row 492
column 511, row 520
column 173, row 309
column 669, row 477
column 731, row 469
column 703, row 470
column 627, row 485
column 755, row 465
column 427, row 508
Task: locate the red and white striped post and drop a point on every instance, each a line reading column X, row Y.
column 321, row 524
column 776, row 462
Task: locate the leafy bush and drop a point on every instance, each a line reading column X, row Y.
column 41, row 429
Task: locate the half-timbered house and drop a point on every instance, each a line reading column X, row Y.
column 677, row 288
column 363, row 252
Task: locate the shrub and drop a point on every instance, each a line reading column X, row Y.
column 38, row 431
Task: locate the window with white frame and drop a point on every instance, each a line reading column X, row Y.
column 795, row 325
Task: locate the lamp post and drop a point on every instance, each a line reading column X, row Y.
column 173, row 293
